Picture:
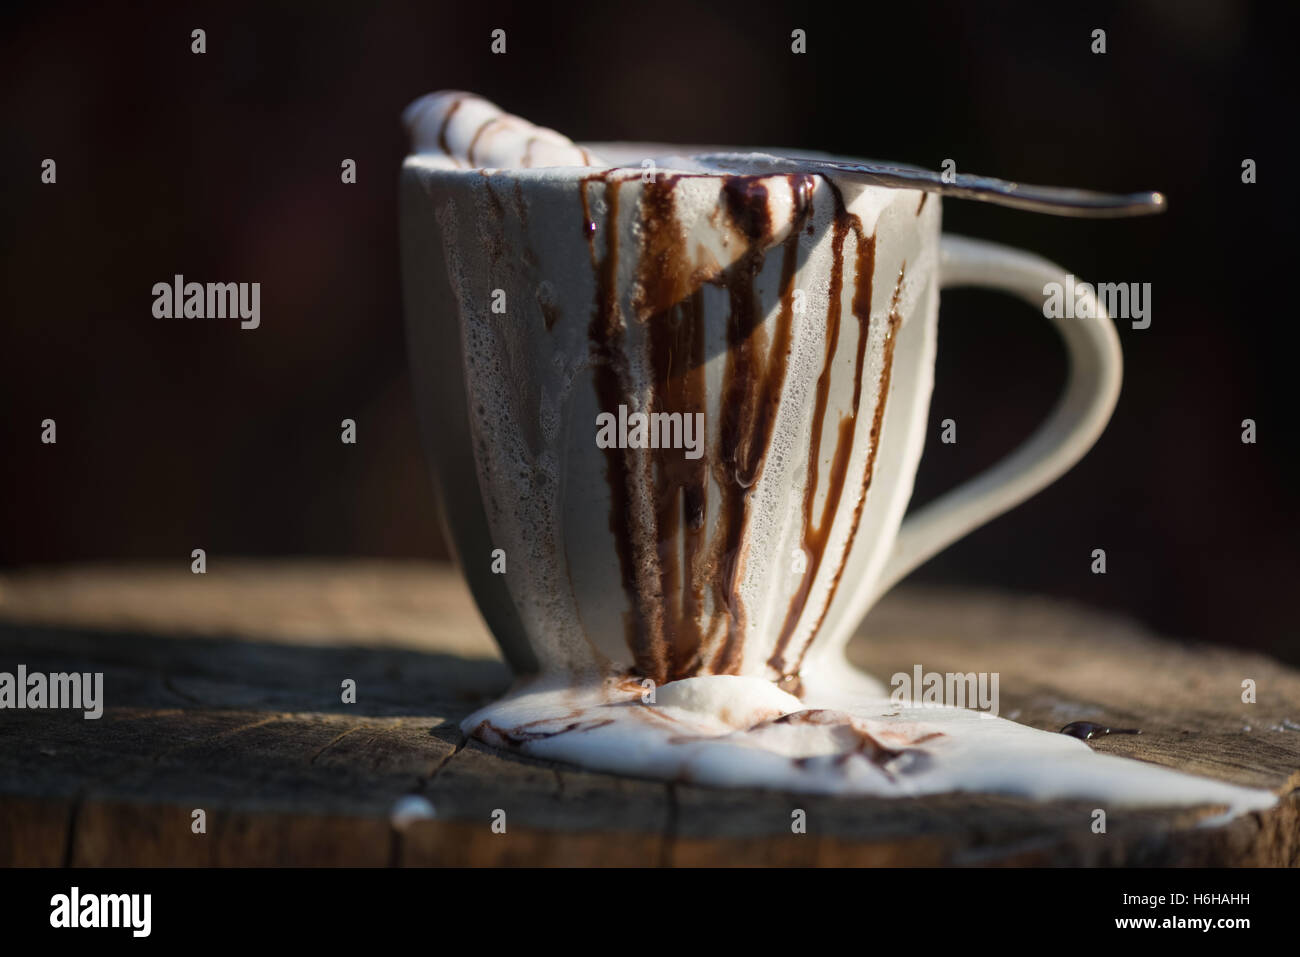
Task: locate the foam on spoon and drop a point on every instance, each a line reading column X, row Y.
column 842, row 734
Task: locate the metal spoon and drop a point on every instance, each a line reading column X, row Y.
column 1038, row 199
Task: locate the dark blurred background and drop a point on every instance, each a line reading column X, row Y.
column 181, row 434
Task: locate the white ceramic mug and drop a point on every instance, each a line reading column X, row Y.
column 797, row 314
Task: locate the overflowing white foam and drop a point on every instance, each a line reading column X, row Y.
column 844, row 737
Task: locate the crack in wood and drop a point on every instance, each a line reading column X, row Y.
column 397, row 840
column 461, row 742
column 310, row 790
column 670, row 825
column 219, row 736
column 170, row 684
column 333, row 741
column 70, row 841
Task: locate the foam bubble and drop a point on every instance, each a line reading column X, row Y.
column 409, row 809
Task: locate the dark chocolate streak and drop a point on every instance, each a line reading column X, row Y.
column 753, row 379
column 816, row 535
column 550, row 312
column 521, row 207
column 610, row 371
column 529, row 255
column 496, row 236
column 895, row 319
column 667, row 568
column 669, row 303
column 497, row 207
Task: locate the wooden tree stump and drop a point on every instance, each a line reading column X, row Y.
column 222, row 693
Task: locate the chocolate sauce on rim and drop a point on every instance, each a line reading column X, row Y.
column 446, row 121
column 747, row 207
column 483, row 128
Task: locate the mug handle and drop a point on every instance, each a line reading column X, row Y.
column 1080, row 414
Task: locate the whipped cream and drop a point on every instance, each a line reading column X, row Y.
column 471, row 133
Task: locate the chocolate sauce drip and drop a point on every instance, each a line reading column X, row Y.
column 791, row 684
column 521, row 207
column 669, row 303
column 528, row 254
column 679, row 483
column 665, row 584
column 497, row 206
column 495, row 241
column 867, row 254
column 816, row 534
column 550, row 312
column 921, row 205
column 665, row 570
column 589, row 224
column 1086, row 730
column 664, row 276
column 612, row 381
column 753, row 379
column 816, row 537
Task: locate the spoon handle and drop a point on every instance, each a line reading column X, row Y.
column 1039, row 199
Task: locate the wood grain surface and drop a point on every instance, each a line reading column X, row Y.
column 222, row 693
